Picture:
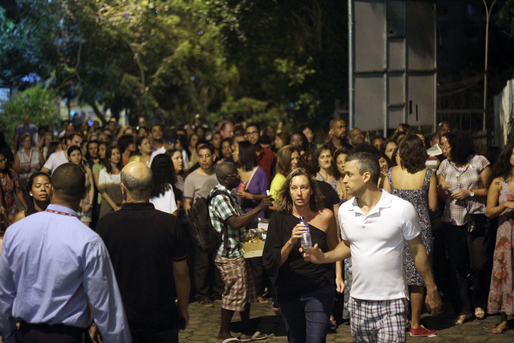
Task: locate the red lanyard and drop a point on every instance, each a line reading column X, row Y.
column 59, row 212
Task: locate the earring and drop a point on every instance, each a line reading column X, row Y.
column 30, row 194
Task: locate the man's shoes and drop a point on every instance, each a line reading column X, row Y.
column 206, row 301
column 421, row 331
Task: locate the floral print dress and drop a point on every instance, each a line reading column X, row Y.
column 500, row 292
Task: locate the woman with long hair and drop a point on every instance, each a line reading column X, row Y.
column 388, row 147
column 44, row 144
column 254, row 183
column 176, row 156
column 27, row 161
column 9, row 186
column 127, row 147
column 304, row 290
column 326, row 170
column 163, row 192
column 500, row 203
column 109, row 181
column 463, row 182
column 143, row 150
column 339, row 158
column 411, row 180
column 280, row 141
column 287, row 160
column 40, row 191
column 86, row 205
column 92, row 153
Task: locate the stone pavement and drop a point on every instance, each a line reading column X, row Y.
column 204, row 325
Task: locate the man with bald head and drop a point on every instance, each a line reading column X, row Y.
column 148, row 253
column 51, row 267
column 228, row 218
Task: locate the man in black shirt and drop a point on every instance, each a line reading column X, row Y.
column 148, row 253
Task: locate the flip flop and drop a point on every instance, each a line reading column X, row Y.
column 257, row 336
column 460, row 321
column 230, row 339
column 500, row 328
column 479, row 313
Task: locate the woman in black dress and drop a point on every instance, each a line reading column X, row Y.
column 305, row 291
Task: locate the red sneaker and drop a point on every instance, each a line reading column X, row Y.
column 421, row 331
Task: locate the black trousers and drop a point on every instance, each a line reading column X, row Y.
column 44, row 333
column 207, row 278
column 467, row 253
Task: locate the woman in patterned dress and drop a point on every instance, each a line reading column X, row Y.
column 412, row 181
column 9, row 185
column 500, row 202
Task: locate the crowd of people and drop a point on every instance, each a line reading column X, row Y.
column 451, row 206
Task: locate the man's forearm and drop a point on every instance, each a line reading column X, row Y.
column 237, row 222
column 341, row 252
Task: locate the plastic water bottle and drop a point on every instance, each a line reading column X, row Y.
column 306, row 240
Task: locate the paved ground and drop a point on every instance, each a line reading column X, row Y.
column 204, row 326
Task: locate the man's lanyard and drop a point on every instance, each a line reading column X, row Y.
column 59, row 212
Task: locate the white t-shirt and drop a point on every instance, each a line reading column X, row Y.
column 377, row 242
column 55, row 160
column 104, row 177
column 165, row 202
column 159, row 151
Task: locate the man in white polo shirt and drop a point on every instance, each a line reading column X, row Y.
column 374, row 228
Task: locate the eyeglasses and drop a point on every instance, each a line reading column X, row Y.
column 252, row 133
column 204, row 156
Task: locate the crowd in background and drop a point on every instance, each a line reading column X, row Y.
column 464, row 200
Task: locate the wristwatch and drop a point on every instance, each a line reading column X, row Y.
column 471, row 193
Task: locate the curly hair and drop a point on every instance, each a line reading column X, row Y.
column 503, row 167
column 461, row 145
column 284, row 200
column 412, row 153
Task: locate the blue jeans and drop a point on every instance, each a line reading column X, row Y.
column 307, row 317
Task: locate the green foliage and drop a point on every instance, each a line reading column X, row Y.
column 169, row 60
column 38, row 102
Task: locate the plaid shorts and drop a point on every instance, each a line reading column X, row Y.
column 238, row 282
column 378, row 321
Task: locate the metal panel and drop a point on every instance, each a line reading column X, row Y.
column 369, row 28
column 392, row 63
column 369, row 98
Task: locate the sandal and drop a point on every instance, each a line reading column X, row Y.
column 462, row 319
column 230, row 339
column 479, row 313
column 500, row 328
column 257, row 336
column 262, row 300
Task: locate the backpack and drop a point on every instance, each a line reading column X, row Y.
column 201, row 231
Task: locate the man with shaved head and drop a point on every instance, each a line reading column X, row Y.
column 338, row 134
column 51, row 267
column 230, row 220
column 148, row 252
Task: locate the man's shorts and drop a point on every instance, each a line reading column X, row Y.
column 238, row 282
column 378, row 321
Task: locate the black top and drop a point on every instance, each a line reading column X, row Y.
column 330, row 196
column 142, row 243
column 296, row 276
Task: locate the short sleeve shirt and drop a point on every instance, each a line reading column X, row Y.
column 377, row 242
column 221, row 208
column 455, row 211
column 194, row 182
